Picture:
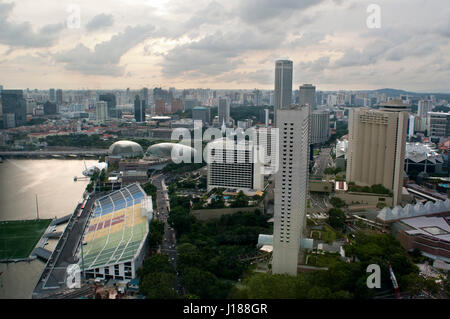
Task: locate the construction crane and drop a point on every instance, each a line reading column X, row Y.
column 394, row 282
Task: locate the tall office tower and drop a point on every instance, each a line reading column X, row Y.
column 438, row 124
column 223, row 111
column 411, row 125
column 51, row 95
column 101, row 112
column 320, row 126
column 283, row 85
column 145, row 96
column 110, row 99
column 13, row 102
column 424, row 106
column 201, row 113
column 266, row 117
column 376, row 147
column 308, row 95
column 159, row 93
column 160, row 107
column 59, row 97
column 291, row 186
column 232, row 164
column 139, row 109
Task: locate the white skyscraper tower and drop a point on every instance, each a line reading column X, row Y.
column 102, row 112
column 291, row 183
column 223, row 111
column 283, row 85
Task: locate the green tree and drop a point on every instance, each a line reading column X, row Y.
column 241, row 200
column 156, row 233
column 337, row 202
column 159, row 285
column 336, row 218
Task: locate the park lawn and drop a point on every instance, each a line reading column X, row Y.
column 19, row 237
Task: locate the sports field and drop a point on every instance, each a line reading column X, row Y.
column 19, row 237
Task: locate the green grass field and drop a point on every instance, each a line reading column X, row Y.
column 19, row 237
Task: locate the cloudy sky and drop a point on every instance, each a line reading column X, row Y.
column 223, row 44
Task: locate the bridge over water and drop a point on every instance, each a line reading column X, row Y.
column 54, row 154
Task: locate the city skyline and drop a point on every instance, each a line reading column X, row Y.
column 167, row 43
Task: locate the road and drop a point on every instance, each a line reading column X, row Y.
column 169, row 243
column 318, row 203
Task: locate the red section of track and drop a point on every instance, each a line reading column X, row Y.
column 106, row 223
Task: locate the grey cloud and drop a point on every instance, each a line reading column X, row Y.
column 214, row 54
column 213, row 13
column 100, row 21
column 314, row 66
column 263, row 77
column 306, row 39
column 256, row 11
column 105, row 58
column 369, row 55
column 22, row 34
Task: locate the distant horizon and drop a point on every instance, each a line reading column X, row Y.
column 222, row 89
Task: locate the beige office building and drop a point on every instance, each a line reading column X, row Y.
column 291, row 187
column 376, row 147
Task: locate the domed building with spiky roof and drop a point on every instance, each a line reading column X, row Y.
column 125, row 149
column 168, row 150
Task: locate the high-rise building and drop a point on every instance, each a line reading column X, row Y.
column 13, row 102
column 31, row 105
column 110, row 99
column 308, row 95
column 267, row 141
column 59, row 97
column 51, row 95
column 145, row 96
column 160, row 107
column 177, row 105
column 233, row 164
column 189, row 104
column 50, row 108
column 376, row 147
column 424, row 106
column 159, row 93
column 291, row 186
column 283, row 85
column 438, row 124
column 201, row 113
column 102, row 114
column 139, row 109
column 320, row 126
column 223, row 111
